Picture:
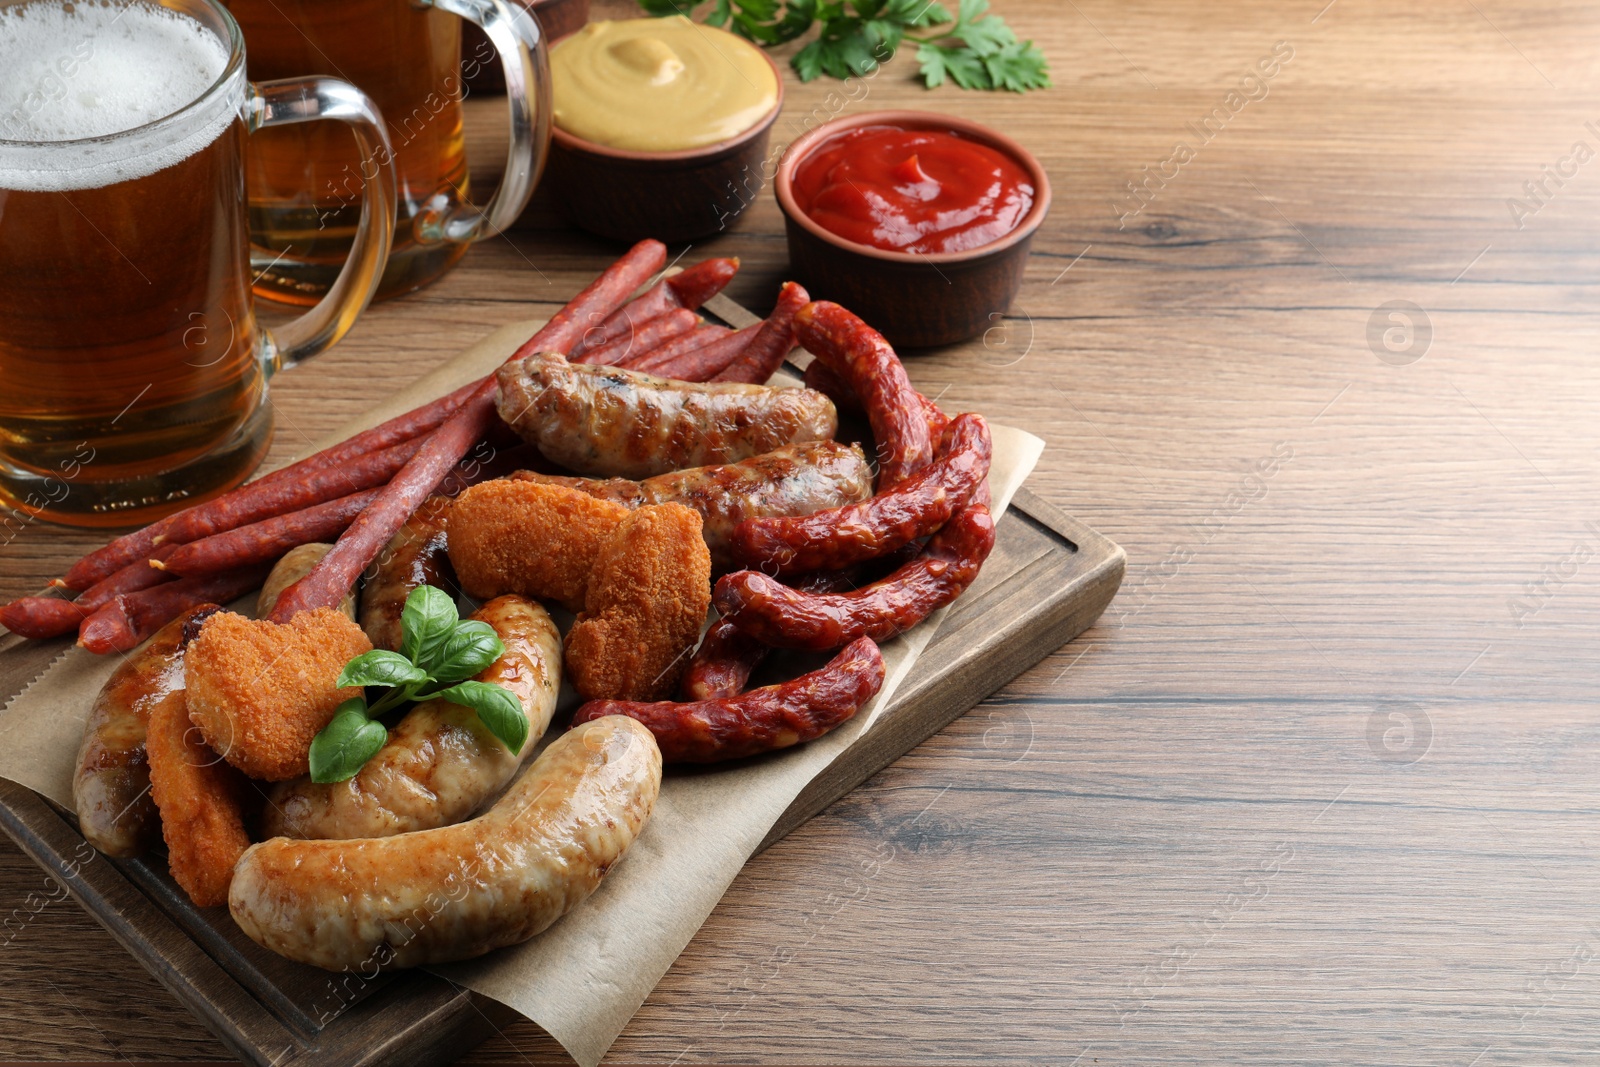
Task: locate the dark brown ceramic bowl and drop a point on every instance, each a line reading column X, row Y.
column 915, row 300
column 671, row 196
column 482, row 72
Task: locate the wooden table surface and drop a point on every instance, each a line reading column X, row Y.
column 1321, row 786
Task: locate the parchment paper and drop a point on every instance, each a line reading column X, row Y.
column 582, row 979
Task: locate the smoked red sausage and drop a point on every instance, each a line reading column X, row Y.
column 840, row 536
column 773, row 717
column 772, row 612
column 863, row 360
column 824, row 381
column 726, row 658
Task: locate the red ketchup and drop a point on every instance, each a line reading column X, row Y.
column 912, row 190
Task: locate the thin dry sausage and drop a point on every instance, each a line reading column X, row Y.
column 762, row 357
column 356, row 548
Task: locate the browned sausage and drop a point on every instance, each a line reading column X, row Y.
column 606, row 421
column 458, row 891
column 111, row 782
column 440, row 763
column 793, row 480
column 417, row 555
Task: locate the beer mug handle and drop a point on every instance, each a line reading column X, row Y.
column 518, row 38
column 289, row 100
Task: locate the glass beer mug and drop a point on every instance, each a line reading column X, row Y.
column 133, row 373
column 406, row 54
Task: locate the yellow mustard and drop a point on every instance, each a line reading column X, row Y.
column 659, row 84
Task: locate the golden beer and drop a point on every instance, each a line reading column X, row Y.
column 305, row 181
column 132, row 370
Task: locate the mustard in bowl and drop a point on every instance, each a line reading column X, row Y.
column 661, row 127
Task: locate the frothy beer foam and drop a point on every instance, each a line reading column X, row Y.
column 92, row 68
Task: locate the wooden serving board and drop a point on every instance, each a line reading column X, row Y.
column 1048, row 579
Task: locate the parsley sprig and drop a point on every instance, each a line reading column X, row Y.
column 974, row 48
column 439, row 652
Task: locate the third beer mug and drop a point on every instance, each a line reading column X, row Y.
column 304, row 182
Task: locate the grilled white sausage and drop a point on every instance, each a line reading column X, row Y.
column 458, row 891
column 440, row 763
column 414, row 556
column 603, row 421
column 111, row 783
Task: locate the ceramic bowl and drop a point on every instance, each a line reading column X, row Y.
column 672, row 196
column 915, row 300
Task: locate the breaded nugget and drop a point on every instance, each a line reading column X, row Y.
column 533, row 540
column 647, row 600
column 201, row 803
column 260, row 691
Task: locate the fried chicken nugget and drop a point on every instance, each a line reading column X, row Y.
column 647, row 600
column 260, row 691
column 531, row 539
column 201, row 803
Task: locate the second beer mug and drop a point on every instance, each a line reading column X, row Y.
column 304, row 182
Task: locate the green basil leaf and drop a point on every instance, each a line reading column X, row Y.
column 425, row 623
column 381, row 667
column 498, row 709
column 343, row 746
column 471, row 647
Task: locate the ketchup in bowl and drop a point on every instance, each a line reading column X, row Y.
column 923, row 191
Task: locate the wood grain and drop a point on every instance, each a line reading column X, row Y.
column 1181, row 839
